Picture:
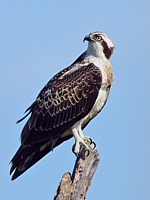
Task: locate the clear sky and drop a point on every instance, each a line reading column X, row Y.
column 39, row 38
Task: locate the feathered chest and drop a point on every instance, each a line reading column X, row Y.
column 107, row 78
column 107, row 75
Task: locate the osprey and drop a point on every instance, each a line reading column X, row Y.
column 67, row 103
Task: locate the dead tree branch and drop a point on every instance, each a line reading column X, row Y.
column 75, row 186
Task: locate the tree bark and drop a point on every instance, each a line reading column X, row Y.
column 75, row 186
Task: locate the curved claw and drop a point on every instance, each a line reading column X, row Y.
column 90, row 142
column 93, row 145
column 74, row 150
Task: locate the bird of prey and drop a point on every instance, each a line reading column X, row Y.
column 67, row 103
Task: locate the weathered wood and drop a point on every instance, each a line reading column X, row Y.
column 75, row 186
column 64, row 188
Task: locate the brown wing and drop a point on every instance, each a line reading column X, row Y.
column 66, row 98
column 63, row 101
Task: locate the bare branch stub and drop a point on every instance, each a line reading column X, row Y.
column 64, row 189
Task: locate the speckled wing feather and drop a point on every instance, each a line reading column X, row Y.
column 65, row 99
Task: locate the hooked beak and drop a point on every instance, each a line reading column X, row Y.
column 87, row 38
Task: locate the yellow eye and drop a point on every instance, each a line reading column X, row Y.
column 98, row 38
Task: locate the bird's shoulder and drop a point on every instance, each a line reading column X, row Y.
column 72, row 76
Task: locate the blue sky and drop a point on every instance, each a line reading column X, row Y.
column 39, row 38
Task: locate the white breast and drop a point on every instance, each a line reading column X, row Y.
column 99, row 104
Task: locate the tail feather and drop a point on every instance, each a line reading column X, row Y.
column 27, row 156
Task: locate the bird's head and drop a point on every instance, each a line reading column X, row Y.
column 99, row 43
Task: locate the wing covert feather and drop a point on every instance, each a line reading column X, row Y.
column 63, row 101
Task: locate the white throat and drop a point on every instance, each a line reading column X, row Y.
column 95, row 55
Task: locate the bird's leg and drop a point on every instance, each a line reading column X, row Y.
column 80, row 139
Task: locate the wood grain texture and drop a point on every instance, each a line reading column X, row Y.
column 75, row 186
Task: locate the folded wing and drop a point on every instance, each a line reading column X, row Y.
column 65, row 99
